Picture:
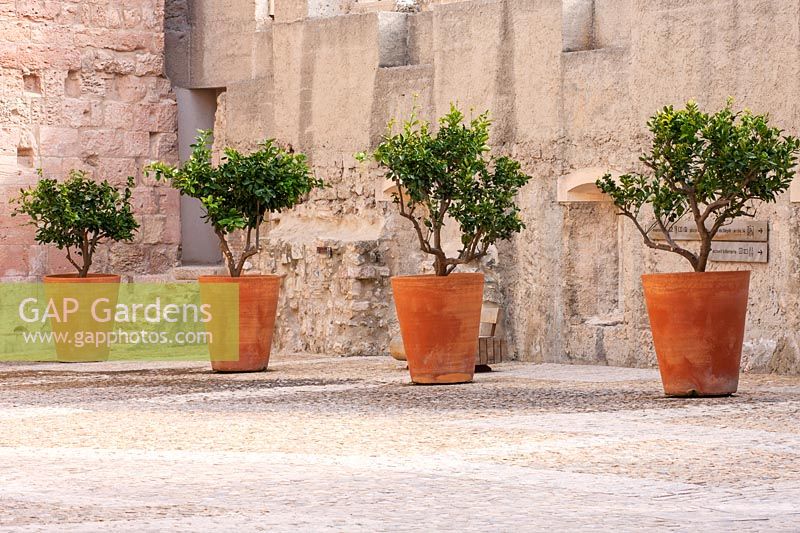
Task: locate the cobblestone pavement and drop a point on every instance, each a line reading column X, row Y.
column 348, row 445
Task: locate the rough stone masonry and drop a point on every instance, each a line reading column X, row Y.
column 570, row 84
column 83, row 87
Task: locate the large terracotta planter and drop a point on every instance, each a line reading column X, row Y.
column 698, row 323
column 258, row 305
column 440, row 322
column 78, row 335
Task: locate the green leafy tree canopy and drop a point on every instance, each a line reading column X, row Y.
column 77, row 215
column 447, row 173
column 239, row 192
column 712, row 167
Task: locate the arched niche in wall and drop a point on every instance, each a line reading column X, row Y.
column 386, row 190
column 579, row 186
column 590, row 262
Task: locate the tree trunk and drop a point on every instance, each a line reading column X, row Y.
column 86, row 254
column 440, row 266
column 702, row 257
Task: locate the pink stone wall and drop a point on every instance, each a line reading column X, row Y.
column 82, row 86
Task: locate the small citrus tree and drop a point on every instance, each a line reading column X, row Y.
column 710, row 166
column 77, row 215
column 447, row 173
column 239, row 192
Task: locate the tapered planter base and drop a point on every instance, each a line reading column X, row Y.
column 440, row 322
column 83, row 291
column 441, row 379
column 698, row 320
column 258, row 305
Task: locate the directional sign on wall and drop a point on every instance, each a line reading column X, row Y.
column 742, row 241
column 739, row 252
column 738, row 230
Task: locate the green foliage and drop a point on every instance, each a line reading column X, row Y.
column 78, row 214
column 712, row 166
column 237, row 193
column 447, row 174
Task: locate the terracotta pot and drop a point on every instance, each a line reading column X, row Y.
column 92, row 346
column 258, row 305
column 698, row 319
column 440, row 318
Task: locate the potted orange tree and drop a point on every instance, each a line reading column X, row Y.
column 236, row 195
column 445, row 177
column 712, row 168
column 77, row 215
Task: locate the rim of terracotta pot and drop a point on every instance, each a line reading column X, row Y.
column 462, row 275
column 216, row 278
column 90, row 278
column 684, row 276
column 731, row 273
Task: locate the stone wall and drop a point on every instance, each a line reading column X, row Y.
column 570, row 84
column 83, row 87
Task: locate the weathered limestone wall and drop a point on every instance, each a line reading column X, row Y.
column 83, row 87
column 570, row 84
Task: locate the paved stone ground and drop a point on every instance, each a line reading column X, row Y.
column 348, row 445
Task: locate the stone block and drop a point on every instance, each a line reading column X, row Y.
column 125, row 257
column 70, row 14
column 163, row 116
column 326, row 8
column 158, row 117
column 160, row 229
column 131, row 88
column 117, row 169
column 366, row 272
column 161, row 258
column 39, row 10
column 15, row 260
column 168, row 200
column 120, row 115
column 97, row 83
column 53, row 35
column 137, row 143
column 144, row 200
column 291, row 11
column 132, row 16
column 164, row 147
column 102, row 142
column 82, row 113
column 10, row 139
column 87, row 165
column 153, row 19
column 103, row 62
column 16, row 231
column 148, row 64
column 14, row 31
column 119, row 41
column 52, row 167
column 63, row 142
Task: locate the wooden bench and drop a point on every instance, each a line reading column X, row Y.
column 491, row 349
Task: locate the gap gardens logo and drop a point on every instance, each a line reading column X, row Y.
column 79, row 322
